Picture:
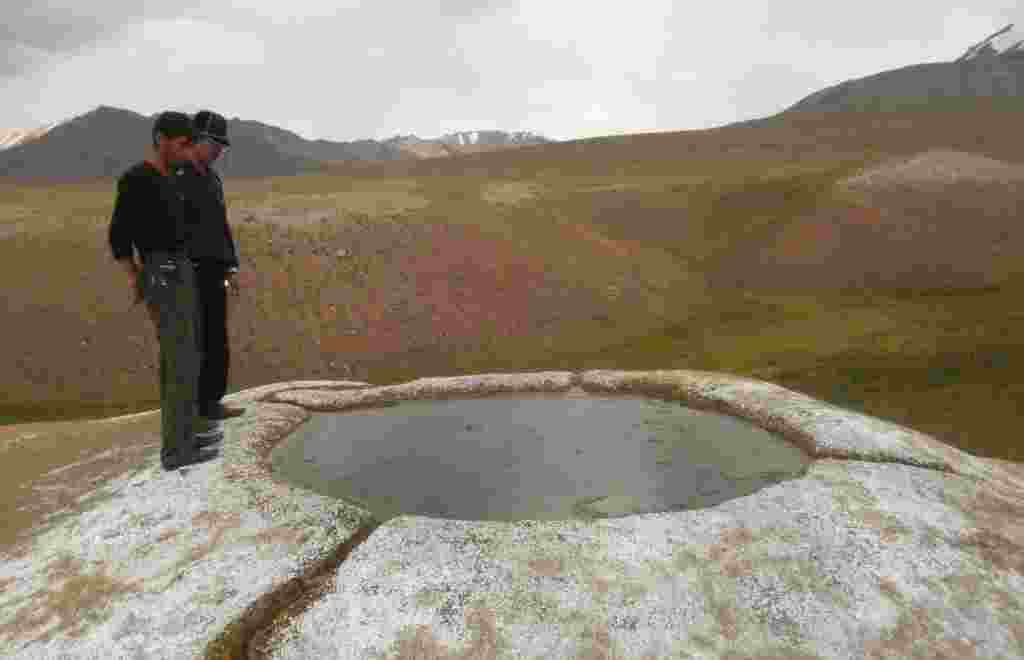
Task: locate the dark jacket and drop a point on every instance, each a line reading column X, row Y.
column 149, row 214
column 206, row 216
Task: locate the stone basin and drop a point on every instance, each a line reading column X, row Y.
column 537, row 456
column 890, row 545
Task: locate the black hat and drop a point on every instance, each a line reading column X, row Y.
column 210, row 125
column 172, row 125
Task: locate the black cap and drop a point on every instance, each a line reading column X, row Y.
column 207, row 124
column 172, row 125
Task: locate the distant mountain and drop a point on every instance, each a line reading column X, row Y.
column 319, row 150
column 983, row 72
column 106, row 141
column 463, row 142
column 99, row 143
column 492, row 138
column 12, row 137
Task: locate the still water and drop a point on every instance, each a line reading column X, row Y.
column 534, row 456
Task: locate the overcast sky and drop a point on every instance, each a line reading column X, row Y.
column 350, row 69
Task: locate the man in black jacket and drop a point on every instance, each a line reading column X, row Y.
column 149, row 214
column 213, row 255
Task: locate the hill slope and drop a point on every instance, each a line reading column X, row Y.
column 106, row 141
column 869, row 258
column 740, row 249
column 924, row 86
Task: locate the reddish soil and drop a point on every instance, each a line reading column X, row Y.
column 454, row 282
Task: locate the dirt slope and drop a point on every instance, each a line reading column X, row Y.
column 939, row 220
column 515, row 259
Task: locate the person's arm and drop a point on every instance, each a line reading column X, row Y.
column 183, row 178
column 232, row 264
column 131, row 268
column 232, row 260
column 122, row 224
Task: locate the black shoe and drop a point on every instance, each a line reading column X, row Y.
column 193, row 458
column 218, row 411
column 207, row 438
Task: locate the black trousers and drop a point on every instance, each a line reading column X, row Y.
column 212, row 335
column 167, row 284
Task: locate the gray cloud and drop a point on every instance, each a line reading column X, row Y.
column 34, row 32
column 350, row 69
column 18, row 58
column 470, row 8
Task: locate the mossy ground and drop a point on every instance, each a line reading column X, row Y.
column 521, row 267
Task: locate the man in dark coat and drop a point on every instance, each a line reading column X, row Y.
column 149, row 215
column 212, row 250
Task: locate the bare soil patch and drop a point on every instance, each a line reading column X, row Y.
column 509, row 192
column 303, row 210
column 940, row 220
column 46, row 467
column 938, row 166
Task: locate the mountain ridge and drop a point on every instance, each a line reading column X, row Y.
column 10, row 137
column 107, row 140
column 982, row 72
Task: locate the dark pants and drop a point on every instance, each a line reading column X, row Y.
column 213, row 334
column 168, row 286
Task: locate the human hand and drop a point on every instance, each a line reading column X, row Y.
column 136, row 290
column 243, row 279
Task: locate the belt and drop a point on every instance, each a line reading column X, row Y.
column 212, row 263
column 167, row 255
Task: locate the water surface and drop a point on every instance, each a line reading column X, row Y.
column 534, row 456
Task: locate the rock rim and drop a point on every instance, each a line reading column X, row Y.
column 892, row 545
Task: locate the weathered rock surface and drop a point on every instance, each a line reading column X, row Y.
column 892, row 545
column 162, row 561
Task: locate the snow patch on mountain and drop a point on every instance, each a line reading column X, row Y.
column 494, row 138
column 12, row 137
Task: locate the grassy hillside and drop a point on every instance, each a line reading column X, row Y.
column 685, row 250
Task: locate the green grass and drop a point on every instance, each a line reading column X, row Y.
column 18, row 412
column 946, row 363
